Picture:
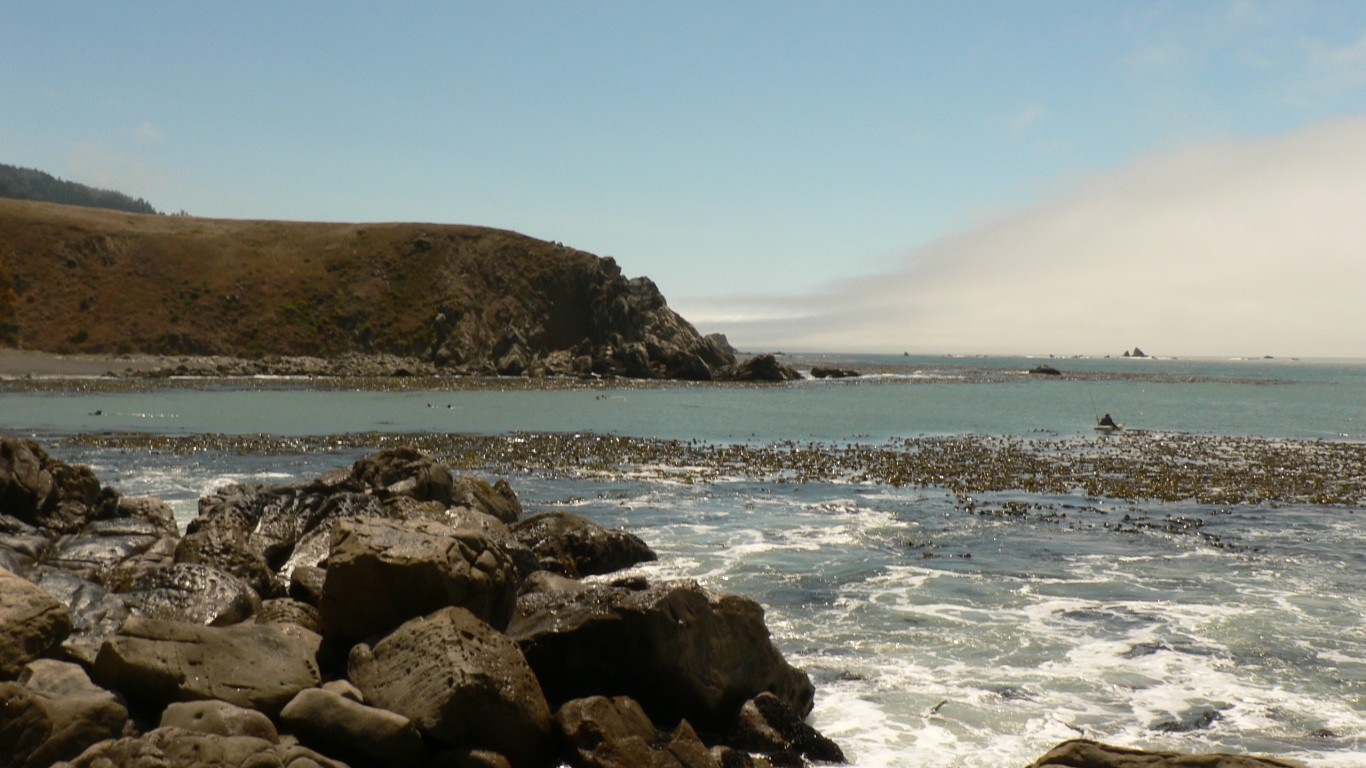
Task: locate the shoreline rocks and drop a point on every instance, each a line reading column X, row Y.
column 122, row 656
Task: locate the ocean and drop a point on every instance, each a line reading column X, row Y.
column 971, row 618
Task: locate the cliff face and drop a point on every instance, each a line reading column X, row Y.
column 471, row 299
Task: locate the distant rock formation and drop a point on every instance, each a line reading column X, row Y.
column 1135, row 353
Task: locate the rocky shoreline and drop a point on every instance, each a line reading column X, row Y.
column 394, row 613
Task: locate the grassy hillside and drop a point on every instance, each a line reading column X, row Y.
column 87, row 280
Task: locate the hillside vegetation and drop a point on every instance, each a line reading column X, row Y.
column 33, row 184
column 470, row 299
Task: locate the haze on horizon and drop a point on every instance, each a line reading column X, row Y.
column 1067, row 177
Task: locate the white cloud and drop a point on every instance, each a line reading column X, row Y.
column 1250, row 248
column 94, row 163
column 1031, row 115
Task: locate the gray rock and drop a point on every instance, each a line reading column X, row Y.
column 768, row 725
column 462, row 683
column 498, row 499
column 577, row 547
column 220, row 719
column 55, row 713
column 96, row 613
column 285, row 610
column 677, row 650
column 404, row 472
column 381, row 573
column 257, row 666
column 335, row 725
column 192, row 592
column 32, row 622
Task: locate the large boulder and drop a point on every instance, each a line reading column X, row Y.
column 257, row 666
column 766, row 724
column 497, row 499
column 761, row 368
column 462, row 683
column 54, row 713
column 679, row 651
column 32, row 622
column 1083, row 753
column 140, row 534
column 335, row 725
column 615, row 732
column 171, row 747
column 405, row 472
column 573, row 545
column 191, row 592
column 219, row 718
column 381, row 573
column 45, row 492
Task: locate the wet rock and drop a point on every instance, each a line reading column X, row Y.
column 577, row 547
column 767, row 725
column 1081, row 753
column 257, row 666
column 192, row 592
column 497, row 499
column 462, row 683
column 172, row 747
column 32, row 623
column 677, row 650
column 21, row 545
column 615, row 732
column 819, row 372
column 45, row 492
column 54, row 713
column 306, row 584
column 422, row 565
column 335, row 725
column 96, row 613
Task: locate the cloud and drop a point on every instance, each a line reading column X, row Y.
column 95, row 163
column 1233, row 248
column 147, row 133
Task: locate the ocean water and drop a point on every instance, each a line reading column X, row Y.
column 936, row 636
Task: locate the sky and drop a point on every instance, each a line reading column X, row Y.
column 1023, row 177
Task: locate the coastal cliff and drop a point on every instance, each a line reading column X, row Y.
column 464, row 299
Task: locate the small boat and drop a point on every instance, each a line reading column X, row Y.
column 1107, row 424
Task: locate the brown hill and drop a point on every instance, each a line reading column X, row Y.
column 470, row 299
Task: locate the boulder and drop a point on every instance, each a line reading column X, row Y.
column 381, row 573
column 404, row 472
column 677, row 650
column 573, row 545
column 220, row 719
column 819, row 372
column 111, row 551
column 462, row 683
column 54, row 713
column 192, row 592
column 335, row 725
column 257, row 666
column 172, row 747
column 32, row 622
column 768, row 725
column 21, row 544
column 615, row 732
column 1082, row 753
column 286, row 610
column 498, row 499
column 96, row 613
column 45, row 492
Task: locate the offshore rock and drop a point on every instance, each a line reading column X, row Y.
column 1082, row 753
column 54, row 713
column 615, row 732
column 257, row 666
column 462, row 683
column 760, row 368
column 171, row 747
column 32, row 622
column 381, row 573
column 335, row 725
column 677, row 650
column 573, row 545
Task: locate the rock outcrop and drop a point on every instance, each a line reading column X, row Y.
column 325, row 299
column 1081, row 753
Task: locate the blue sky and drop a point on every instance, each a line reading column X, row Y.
column 818, row 175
